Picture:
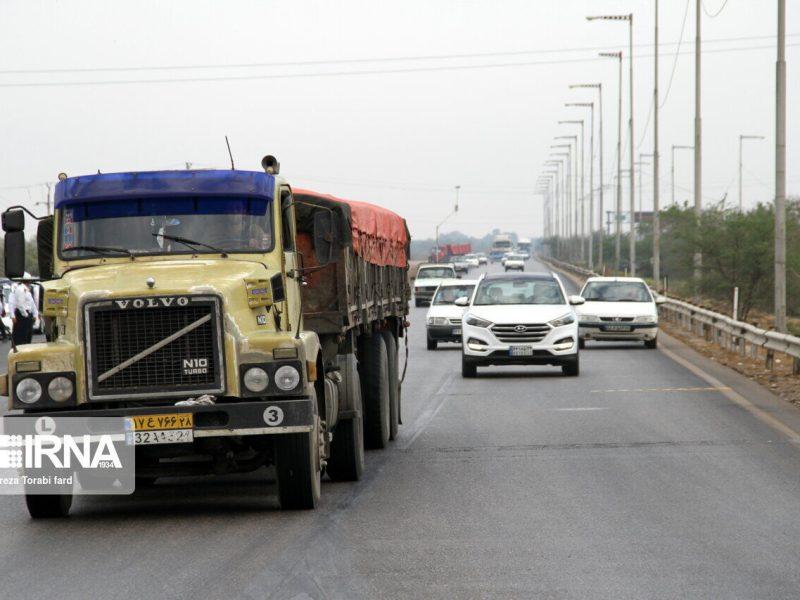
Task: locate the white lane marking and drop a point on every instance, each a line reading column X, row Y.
column 734, row 396
column 580, row 408
column 676, row 389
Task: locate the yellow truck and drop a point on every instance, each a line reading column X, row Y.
column 234, row 322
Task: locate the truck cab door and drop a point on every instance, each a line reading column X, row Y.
column 291, row 260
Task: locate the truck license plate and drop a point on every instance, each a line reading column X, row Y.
column 520, row 351
column 618, row 328
column 173, row 428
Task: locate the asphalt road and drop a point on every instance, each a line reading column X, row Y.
column 642, row 478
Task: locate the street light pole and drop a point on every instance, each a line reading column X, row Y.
column 582, row 193
column 618, row 232
column 641, row 163
column 741, row 139
column 569, row 186
column 780, row 172
column 589, row 105
column 698, row 141
column 455, row 210
column 656, row 173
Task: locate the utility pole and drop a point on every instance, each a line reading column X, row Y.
column 618, row 219
column 569, row 185
column 641, row 164
column 656, row 175
column 672, row 168
column 741, row 139
column 698, row 142
column 589, row 105
column 455, row 210
column 780, row 172
column 582, row 192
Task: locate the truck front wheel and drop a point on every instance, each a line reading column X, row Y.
column 374, row 371
column 297, row 469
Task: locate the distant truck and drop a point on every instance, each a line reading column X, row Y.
column 500, row 245
column 448, row 250
column 524, row 247
column 281, row 309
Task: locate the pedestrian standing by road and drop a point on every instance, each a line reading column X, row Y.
column 23, row 311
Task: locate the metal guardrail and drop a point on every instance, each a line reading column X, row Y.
column 735, row 336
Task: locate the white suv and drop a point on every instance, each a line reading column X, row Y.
column 618, row 309
column 519, row 319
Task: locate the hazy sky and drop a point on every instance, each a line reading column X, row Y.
column 401, row 138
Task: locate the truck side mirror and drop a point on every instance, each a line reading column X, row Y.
column 14, row 228
column 326, row 241
column 44, row 247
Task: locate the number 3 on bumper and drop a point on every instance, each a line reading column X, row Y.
column 273, row 416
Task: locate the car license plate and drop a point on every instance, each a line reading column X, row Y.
column 457, row 331
column 520, row 351
column 618, row 327
column 173, row 428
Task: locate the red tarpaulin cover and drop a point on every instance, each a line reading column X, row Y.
column 380, row 236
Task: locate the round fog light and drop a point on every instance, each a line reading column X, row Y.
column 29, row 391
column 60, row 389
column 287, row 378
column 256, row 379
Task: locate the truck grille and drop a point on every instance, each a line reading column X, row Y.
column 521, row 333
column 158, row 346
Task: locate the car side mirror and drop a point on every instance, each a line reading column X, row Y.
column 661, row 299
column 327, row 245
column 576, row 300
column 462, row 301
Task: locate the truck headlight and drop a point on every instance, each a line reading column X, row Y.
column 29, row 391
column 59, row 389
column 287, row 378
column 563, row 320
column 256, row 379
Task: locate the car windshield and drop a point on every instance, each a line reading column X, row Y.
column 616, row 291
column 448, row 294
column 518, row 291
column 145, row 227
column 435, row 273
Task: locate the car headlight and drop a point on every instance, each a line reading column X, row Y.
column 437, row 321
column 287, row 378
column 60, row 389
column 588, row 318
column 29, row 391
column 255, row 379
column 563, row 320
column 476, row 321
column 646, row 319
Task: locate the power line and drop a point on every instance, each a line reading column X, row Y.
column 716, row 14
column 677, row 52
column 206, row 79
column 301, row 63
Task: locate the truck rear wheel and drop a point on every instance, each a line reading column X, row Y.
column 374, row 372
column 394, row 383
column 297, row 469
column 52, row 506
column 346, row 460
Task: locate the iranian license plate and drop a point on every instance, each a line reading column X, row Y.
column 172, row 428
column 618, row 327
column 520, row 351
column 456, row 330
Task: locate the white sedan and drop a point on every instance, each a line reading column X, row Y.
column 618, row 309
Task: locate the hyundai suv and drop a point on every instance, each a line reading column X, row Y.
column 519, row 319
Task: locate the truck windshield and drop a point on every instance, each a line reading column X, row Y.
column 155, row 226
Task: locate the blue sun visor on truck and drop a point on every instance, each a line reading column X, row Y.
column 165, row 192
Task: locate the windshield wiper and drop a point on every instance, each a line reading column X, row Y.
column 190, row 243
column 100, row 249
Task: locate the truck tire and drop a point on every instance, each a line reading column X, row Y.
column 374, row 372
column 297, row 469
column 346, row 460
column 394, row 383
column 48, row 506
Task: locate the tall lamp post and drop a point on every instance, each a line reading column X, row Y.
column 599, row 88
column 571, row 188
column 629, row 19
column 455, row 210
column 579, row 195
column 589, row 105
column 780, row 172
column 618, row 187
column 741, row 139
column 566, row 157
